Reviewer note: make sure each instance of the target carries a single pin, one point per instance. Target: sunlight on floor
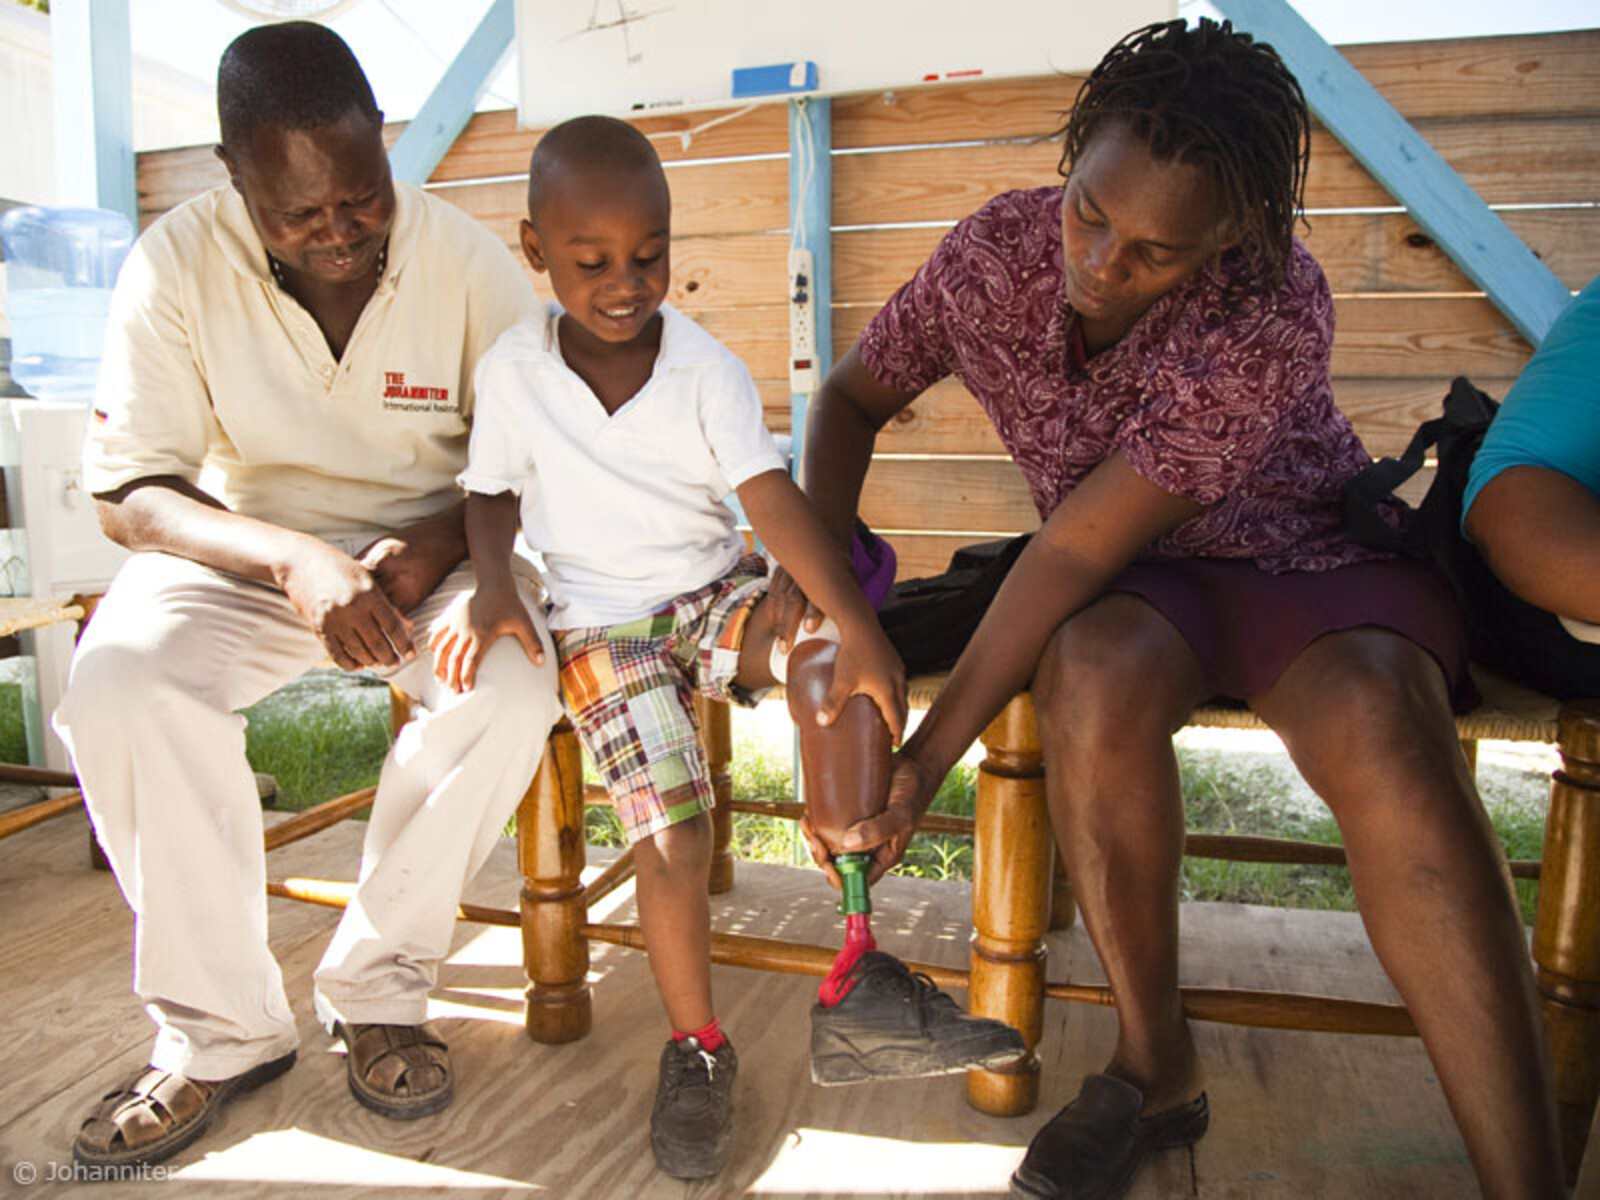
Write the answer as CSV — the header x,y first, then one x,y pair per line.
x,y
825,1160
295,1156
497,950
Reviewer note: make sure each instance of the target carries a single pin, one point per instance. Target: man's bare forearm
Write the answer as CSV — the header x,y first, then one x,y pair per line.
x,y
172,516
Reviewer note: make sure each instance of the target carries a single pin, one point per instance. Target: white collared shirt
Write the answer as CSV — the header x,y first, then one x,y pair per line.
x,y
214,374
626,509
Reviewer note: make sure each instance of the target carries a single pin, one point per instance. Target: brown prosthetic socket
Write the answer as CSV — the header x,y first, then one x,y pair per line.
x,y
846,764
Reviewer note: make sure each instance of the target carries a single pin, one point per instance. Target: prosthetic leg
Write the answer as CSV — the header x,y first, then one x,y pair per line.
x,y
873,1018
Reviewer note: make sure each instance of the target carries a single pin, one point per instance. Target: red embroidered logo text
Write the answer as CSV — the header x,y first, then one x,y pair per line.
x,y
400,396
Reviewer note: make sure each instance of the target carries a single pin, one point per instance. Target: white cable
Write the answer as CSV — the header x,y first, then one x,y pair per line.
x,y
687,135
805,154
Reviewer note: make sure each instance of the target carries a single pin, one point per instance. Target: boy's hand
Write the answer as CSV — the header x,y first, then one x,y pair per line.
x,y
886,835
464,632
867,665
791,609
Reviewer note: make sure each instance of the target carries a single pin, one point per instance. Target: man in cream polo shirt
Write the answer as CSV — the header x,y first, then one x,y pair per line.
x,y
284,405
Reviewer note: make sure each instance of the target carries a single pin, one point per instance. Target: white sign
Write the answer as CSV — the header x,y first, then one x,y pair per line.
x,y
637,57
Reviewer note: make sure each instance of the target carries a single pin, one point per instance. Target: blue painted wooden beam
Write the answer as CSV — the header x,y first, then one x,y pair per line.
x,y
447,110
811,220
1438,199
92,66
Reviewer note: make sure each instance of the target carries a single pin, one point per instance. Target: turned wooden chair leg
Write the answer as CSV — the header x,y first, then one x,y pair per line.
x,y
555,953
1566,931
1010,903
1063,903
716,735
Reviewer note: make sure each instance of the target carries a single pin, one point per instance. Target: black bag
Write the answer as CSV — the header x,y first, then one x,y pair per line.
x,y
930,620
1504,632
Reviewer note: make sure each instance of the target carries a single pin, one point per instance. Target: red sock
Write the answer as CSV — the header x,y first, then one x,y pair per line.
x,y
710,1038
858,940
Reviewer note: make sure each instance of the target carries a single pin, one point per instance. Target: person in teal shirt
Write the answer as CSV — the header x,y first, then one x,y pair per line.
x,y
1532,503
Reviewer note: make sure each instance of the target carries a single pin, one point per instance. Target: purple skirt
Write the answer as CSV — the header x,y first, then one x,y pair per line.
x,y
1247,625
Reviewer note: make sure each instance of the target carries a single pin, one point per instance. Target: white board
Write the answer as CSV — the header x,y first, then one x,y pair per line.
x,y
634,57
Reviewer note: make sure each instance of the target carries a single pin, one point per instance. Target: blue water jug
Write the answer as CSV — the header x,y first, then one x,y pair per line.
x,y
61,264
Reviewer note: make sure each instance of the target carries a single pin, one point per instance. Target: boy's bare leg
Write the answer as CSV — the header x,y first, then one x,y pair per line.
x,y
672,867
692,1117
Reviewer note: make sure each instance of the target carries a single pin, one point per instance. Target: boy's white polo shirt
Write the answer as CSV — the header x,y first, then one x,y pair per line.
x,y
626,509
214,374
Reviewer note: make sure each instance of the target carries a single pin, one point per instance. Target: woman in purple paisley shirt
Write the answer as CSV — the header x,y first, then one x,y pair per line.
x,y
1152,344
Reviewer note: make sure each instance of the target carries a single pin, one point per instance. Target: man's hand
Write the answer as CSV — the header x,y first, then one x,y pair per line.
x,y
790,608
464,632
344,606
886,836
409,563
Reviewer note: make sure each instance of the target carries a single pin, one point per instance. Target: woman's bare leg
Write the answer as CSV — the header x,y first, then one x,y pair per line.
x,y
1366,717
1113,686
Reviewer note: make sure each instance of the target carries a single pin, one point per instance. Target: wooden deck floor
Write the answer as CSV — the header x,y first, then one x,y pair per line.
x,y
1295,1115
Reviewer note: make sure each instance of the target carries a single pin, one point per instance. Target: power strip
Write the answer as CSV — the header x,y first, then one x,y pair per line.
x,y
802,322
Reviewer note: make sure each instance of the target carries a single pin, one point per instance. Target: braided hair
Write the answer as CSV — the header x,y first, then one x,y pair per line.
x,y
1214,98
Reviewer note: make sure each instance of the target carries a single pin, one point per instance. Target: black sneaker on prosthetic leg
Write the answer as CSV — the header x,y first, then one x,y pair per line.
x,y
693,1114
892,1024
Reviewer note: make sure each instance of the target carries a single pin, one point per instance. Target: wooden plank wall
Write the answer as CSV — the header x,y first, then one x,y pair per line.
x,y
1518,117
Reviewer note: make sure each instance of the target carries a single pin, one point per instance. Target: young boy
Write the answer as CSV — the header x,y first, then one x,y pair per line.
x,y
622,426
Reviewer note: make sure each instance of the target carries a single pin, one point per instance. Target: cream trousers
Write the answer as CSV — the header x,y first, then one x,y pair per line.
x,y
151,715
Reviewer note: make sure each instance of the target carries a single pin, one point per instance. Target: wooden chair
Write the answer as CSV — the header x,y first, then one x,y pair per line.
x,y
18,613
31,612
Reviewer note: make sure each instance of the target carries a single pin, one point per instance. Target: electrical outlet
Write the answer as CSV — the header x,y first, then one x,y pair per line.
x,y
802,322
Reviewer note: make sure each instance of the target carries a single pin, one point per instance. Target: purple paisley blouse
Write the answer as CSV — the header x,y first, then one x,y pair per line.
x,y
1220,393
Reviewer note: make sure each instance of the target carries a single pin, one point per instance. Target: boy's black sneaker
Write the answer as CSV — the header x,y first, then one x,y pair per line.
x,y
896,1025
693,1115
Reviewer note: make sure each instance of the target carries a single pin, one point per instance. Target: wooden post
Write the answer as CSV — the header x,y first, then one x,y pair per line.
x,y
555,953
1566,930
401,709
716,735
1010,903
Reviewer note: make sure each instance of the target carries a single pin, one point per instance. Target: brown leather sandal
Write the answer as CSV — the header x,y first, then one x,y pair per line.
x,y
157,1113
401,1071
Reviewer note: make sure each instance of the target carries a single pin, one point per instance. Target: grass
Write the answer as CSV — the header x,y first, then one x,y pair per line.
x,y
326,735
13,741
322,736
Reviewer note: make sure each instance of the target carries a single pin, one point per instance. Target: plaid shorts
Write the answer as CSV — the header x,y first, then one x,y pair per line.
x,y
630,689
